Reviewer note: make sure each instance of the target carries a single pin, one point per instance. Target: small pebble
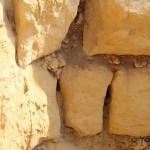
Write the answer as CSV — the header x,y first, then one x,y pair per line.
x,y
65,41
58,73
138,64
80,19
74,45
114,61
74,38
62,62
64,46
53,55
54,64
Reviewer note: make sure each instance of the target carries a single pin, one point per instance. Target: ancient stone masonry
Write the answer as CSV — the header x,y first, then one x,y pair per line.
x,y
28,107
54,94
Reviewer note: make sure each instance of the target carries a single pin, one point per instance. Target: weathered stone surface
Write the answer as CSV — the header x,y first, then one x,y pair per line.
x,y
117,27
33,116
29,112
8,68
130,103
84,92
41,26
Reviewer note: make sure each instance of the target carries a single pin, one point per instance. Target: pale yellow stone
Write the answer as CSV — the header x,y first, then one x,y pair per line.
x,y
130,103
117,27
41,26
29,111
84,91
8,69
33,116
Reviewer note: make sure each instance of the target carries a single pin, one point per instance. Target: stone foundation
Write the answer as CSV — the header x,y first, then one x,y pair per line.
x,y
56,92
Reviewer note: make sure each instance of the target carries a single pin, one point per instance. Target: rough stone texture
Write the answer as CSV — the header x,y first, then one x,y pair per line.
x,y
35,113
8,5
84,91
117,27
130,103
8,68
41,26
29,112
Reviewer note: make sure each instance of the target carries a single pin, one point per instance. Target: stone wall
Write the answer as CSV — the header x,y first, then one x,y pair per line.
x,y
62,86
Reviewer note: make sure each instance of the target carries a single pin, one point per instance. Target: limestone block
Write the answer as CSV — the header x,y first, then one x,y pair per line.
x,y
41,26
28,107
130,103
29,118
117,27
84,91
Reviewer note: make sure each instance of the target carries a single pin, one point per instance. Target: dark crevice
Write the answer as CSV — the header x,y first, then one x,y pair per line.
x,y
106,108
58,87
108,94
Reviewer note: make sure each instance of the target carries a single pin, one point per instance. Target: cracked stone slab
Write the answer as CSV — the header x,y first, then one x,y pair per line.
x,y
130,103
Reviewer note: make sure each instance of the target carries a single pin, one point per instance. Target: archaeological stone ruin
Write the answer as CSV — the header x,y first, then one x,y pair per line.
x,y
74,74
